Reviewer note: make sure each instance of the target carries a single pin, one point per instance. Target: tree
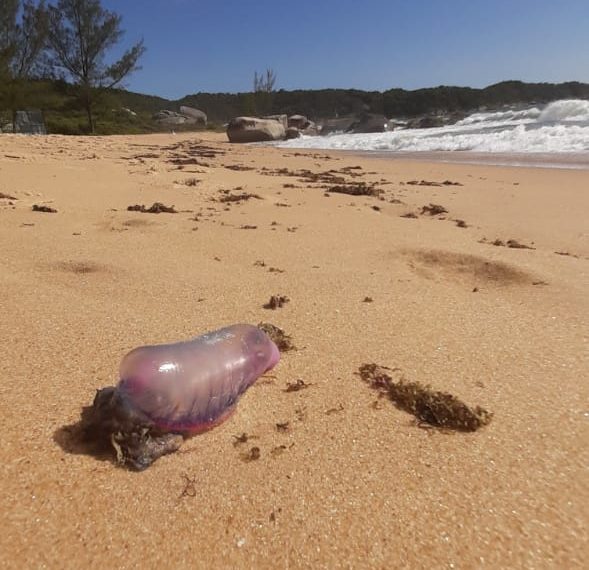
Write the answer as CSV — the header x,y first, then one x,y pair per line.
x,y
22,41
264,82
81,32
8,12
263,88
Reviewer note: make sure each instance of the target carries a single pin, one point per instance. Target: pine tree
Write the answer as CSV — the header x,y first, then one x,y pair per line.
x,y
81,33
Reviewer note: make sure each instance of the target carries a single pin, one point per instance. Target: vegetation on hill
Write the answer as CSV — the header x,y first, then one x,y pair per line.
x,y
118,111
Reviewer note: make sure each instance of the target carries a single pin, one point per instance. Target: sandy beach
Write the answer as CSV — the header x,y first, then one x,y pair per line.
x,y
346,480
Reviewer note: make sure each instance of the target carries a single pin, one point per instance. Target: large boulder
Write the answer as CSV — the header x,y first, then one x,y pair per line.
x,y
186,116
303,125
292,133
169,118
369,123
196,114
254,129
339,125
298,121
283,119
30,122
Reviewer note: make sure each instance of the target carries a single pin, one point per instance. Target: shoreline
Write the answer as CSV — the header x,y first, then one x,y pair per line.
x,y
557,161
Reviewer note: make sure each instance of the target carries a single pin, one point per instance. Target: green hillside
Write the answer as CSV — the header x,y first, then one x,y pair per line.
x,y
119,111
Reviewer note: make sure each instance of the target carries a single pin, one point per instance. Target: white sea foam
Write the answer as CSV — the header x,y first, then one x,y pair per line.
x,y
559,127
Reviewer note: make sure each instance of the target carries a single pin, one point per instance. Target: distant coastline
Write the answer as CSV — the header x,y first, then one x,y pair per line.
x,y
125,112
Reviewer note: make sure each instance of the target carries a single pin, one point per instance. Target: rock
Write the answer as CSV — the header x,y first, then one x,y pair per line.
x,y
166,117
187,116
303,125
340,125
311,129
369,123
196,114
427,122
30,122
254,129
435,120
299,121
283,119
292,133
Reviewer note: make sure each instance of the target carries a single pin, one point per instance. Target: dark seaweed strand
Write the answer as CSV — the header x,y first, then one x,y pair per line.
x,y
438,409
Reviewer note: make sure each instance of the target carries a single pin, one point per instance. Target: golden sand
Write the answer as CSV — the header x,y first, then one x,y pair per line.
x,y
342,479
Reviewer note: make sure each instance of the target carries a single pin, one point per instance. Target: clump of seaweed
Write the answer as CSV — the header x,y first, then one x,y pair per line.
x,y
155,208
433,210
282,340
276,302
227,196
356,189
300,384
47,209
438,409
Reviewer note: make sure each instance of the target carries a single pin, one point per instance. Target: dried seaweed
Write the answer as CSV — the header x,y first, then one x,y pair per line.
x,y
282,340
355,189
438,409
155,208
47,209
433,210
276,302
242,196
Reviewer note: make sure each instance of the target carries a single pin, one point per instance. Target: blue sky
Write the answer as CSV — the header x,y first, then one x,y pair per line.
x,y
216,45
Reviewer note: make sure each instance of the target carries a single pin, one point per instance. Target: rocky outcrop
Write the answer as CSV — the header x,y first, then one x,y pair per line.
x,y
196,114
187,116
435,120
300,122
282,119
369,123
339,125
303,125
254,129
292,133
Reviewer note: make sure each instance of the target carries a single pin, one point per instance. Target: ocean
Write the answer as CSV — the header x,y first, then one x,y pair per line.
x,y
554,135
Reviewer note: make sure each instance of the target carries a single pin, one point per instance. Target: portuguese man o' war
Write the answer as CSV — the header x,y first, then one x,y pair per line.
x,y
169,391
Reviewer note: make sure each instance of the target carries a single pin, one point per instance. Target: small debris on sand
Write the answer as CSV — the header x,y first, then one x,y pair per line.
x,y
155,208
437,409
276,302
300,384
355,189
239,439
282,340
517,245
433,210
38,208
239,197
512,243
252,455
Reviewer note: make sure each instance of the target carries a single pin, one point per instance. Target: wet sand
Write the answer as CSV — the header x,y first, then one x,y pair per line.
x,y
344,479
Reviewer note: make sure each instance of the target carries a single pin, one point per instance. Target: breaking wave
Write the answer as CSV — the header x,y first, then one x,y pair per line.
x,y
559,127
